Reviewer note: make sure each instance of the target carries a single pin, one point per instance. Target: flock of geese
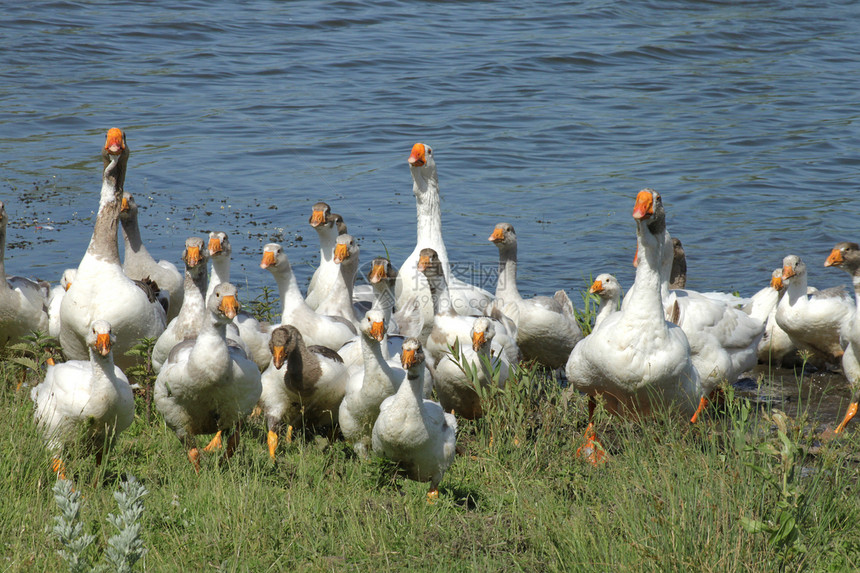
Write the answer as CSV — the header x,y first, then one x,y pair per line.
x,y
367,360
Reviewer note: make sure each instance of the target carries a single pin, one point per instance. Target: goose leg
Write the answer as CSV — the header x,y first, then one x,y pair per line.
x,y
194,458
852,410
272,438
215,444
58,467
592,450
702,403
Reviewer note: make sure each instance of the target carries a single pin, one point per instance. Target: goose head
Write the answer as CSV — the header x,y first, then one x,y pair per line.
x,y
776,280
337,220
846,256
792,267
100,338
678,275
483,332
504,237
373,325
223,304
649,214
606,287
320,214
422,166
346,250
275,260
219,245
429,263
68,278
194,255
411,354
115,154
128,208
381,272
282,343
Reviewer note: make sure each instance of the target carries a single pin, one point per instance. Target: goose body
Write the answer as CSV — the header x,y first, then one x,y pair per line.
x,y
208,384
55,301
547,329
23,302
85,397
775,346
414,431
338,300
636,356
101,289
140,265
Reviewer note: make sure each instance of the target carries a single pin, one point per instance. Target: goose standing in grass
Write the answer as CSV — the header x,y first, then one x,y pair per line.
x,y
637,358
328,226
410,286
101,289
84,397
331,332
23,302
846,256
315,375
139,264
454,387
413,431
547,329
367,388
208,384
608,289
775,346
55,301
338,301
816,322
193,314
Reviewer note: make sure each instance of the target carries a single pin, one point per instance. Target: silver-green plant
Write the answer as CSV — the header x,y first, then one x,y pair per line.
x,y
68,528
126,547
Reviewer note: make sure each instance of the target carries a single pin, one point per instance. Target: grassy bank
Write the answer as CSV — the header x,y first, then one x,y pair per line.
x,y
743,491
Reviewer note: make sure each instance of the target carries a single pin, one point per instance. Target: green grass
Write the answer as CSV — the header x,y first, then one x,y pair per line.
x,y
671,497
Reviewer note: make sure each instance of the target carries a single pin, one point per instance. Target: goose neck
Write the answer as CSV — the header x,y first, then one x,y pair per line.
x,y
441,297
103,243
644,297
288,288
506,282
134,248
328,240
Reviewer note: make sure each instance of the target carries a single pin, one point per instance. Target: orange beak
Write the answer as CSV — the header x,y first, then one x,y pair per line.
x,y
644,207
787,272
835,258
377,273
597,286
192,256
214,245
229,306
279,356
478,340
68,285
407,358
341,252
124,205
423,263
377,330
498,235
776,283
317,218
418,157
113,143
268,260
103,344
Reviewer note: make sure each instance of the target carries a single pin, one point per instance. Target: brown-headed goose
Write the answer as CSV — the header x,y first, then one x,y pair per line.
x,y
23,302
139,264
101,289
208,383
546,326
413,431
89,398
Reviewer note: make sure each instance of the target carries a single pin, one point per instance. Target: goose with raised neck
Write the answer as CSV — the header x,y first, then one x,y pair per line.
x,y
328,226
546,326
338,301
138,264
220,252
23,302
208,383
101,289
332,332
90,398
414,431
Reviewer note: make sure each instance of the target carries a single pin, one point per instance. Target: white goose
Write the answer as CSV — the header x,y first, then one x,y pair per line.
x,y
331,332
139,264
193,314
208,384
338,300
454,387
609,290
546,327
637,358
101,289
366,389
410,285
775,346
55,301
84,397
220,252
23,302
328,226
816,322
846,256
